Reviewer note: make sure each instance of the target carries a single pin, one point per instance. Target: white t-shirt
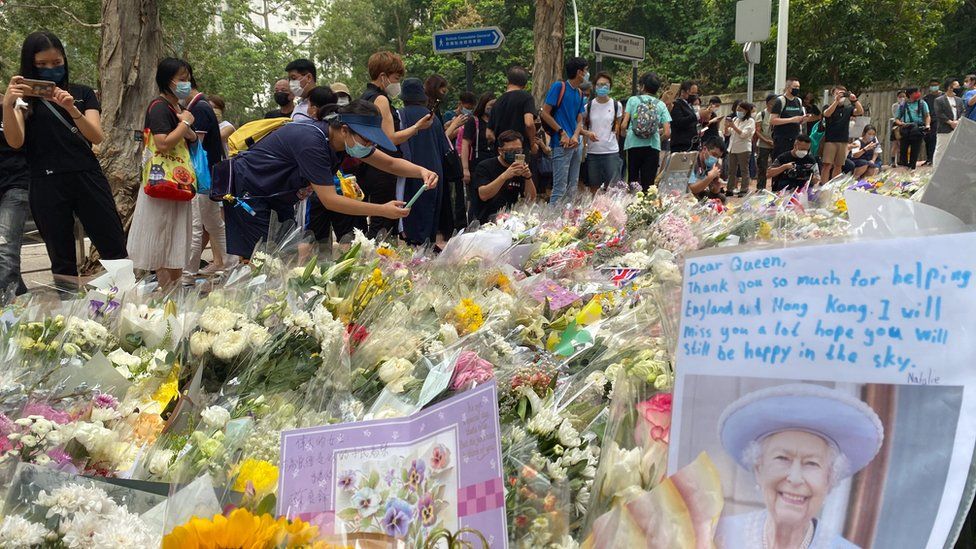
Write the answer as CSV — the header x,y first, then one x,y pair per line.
x,y
952,105
743,143
601,123
301,110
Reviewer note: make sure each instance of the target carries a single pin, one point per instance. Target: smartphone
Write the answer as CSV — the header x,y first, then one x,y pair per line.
x,y
520,157
39,88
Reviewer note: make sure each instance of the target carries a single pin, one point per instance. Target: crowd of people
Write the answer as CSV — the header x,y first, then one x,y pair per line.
x,y
334,162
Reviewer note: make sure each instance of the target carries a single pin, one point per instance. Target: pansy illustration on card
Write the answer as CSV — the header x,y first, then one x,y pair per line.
x,y
404,477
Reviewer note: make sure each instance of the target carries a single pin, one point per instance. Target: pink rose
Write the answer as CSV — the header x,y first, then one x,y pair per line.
x,y
655,419
471,368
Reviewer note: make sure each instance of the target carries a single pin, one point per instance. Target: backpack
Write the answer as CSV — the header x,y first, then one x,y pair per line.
x,y
616,112
646,121
247,135
559,102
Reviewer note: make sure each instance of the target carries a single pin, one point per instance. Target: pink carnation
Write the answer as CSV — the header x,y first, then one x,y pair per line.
x,y
655,419
47,412
471,368
105,400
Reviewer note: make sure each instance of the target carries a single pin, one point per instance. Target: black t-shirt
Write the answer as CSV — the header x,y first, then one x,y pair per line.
x,y
13,164
161,118
479,143
796,177
814,110
205,120
276,114
712,129
51,147
509,113
930,101
837,127
787,108
487,171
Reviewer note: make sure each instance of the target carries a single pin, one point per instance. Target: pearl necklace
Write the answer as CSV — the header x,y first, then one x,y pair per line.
x,y
767,533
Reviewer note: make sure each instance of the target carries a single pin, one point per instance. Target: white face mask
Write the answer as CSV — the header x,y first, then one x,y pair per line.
x,y
295,86
800,154
393,90
342,101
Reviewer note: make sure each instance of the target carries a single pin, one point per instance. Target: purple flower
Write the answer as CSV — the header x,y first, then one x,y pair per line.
x,y
415,476
347,481
6,426
105,400
397,520
390,476
47,412
426,511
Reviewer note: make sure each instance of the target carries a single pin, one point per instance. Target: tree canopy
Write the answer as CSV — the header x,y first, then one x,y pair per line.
x,y
885,42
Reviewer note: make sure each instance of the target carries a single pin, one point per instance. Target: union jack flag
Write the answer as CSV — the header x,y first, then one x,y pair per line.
x,y
622,277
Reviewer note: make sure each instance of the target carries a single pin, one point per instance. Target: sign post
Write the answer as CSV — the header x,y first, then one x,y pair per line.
x,y
619,45
752,20
467,41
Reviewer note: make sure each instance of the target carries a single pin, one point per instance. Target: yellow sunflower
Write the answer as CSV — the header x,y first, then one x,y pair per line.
x,y
243,530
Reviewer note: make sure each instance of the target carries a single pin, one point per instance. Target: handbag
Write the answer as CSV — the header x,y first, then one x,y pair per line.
x,y
170,175
201,167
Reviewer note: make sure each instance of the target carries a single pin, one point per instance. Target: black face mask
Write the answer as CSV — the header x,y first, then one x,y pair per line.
x,y
957,91
796,92
691,99
281,98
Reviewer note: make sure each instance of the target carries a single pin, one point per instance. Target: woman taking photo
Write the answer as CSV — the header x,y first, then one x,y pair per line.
x,y
57,134
301,158
162,230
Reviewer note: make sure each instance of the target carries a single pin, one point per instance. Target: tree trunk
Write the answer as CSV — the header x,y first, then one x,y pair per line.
x,y
131,48
548,31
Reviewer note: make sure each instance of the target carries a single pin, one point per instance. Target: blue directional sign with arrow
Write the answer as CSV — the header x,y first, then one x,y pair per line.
x,y
464,40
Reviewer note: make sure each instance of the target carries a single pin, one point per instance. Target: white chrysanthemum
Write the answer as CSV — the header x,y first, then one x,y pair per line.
x,y
544,422
160,461
74,498
229,344
598,379
256,335
569,436
301,320
217,320
367,245
104,415
516,435
393,369
634,260
93,437
19,533
201,342
215,417
91,332
448,334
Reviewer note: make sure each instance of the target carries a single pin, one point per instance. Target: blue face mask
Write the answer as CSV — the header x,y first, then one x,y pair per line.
x,y
466,112
740,115
182,90
509,157
710,162
603,91
52,74
356,150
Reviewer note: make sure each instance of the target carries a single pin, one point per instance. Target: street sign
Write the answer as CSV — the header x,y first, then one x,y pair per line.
x,y
752,20
464,40
617,44
752,52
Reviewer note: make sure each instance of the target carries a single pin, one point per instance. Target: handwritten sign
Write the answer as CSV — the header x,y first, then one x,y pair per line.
x,y
883,322
403,477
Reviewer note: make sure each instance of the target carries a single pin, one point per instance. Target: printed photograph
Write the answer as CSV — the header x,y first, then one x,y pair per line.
x,y
821,464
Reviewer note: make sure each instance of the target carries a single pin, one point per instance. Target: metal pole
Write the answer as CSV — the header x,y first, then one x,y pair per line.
x,y
752,72
599,64
782,37
576,20
469,71
633,87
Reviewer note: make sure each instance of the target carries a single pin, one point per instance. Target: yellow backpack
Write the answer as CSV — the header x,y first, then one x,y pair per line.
x,y
247,135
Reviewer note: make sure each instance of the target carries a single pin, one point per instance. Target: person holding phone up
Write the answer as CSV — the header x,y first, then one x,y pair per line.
x,y
499,182
57,134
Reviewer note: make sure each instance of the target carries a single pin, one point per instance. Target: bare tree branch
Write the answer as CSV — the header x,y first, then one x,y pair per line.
x,y
62,9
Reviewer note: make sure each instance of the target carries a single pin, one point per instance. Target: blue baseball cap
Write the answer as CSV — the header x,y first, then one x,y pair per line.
x,y
370,127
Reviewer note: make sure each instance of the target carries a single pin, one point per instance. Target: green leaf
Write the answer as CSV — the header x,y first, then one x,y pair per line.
x,y
267,505
348,514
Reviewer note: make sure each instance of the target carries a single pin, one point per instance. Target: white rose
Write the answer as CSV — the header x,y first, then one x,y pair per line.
x,y
228,345
160,462
400,384
93,437
121,358
393,369
215,417
200,343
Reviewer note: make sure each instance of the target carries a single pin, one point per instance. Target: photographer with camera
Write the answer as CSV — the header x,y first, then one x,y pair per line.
x,y
499,182
913,121
796,168
837,130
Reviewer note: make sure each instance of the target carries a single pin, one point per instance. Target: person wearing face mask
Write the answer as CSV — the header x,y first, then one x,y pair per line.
x,y
343,97
501,181
684,118
949,109
787,118
466,103
900,99
57,137
602,121
708,167
913,123
161,234
515,109
932,94
563,114
475,144
386,70
646,124
837,130
14,185
796,168
301,81
969,96
453,211
740,131
283,98
764,141
208,222
300,160
866,153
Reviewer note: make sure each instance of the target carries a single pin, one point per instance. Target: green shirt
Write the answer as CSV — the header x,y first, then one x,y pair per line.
x,y
663,116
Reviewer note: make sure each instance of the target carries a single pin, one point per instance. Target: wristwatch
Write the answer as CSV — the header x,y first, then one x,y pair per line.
x,y
188,125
